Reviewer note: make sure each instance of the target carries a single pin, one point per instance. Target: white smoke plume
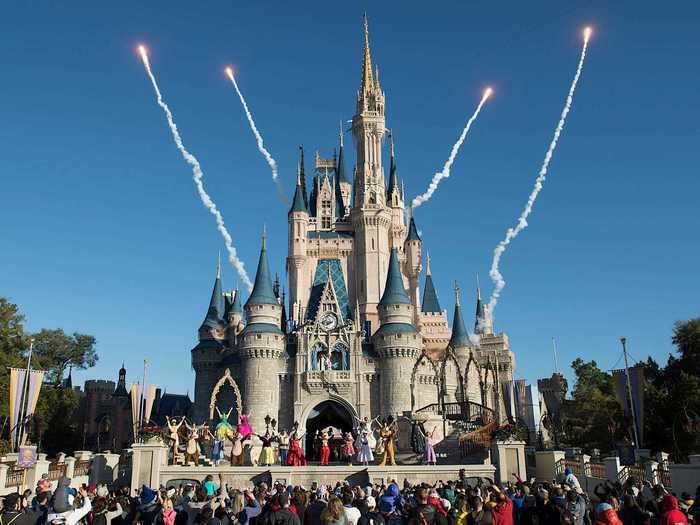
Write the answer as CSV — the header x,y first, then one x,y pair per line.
x,y
261,146
512,233
197,176
425,197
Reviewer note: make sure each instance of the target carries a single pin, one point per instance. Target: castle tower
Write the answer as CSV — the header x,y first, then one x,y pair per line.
x,y
394,200
234,317
397,342
432,319
413,265
371,219
483,324
205,356
261,347
297,260
344,185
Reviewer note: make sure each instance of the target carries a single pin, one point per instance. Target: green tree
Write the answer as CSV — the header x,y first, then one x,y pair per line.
x,y
673,395
55,351
12,343
591,413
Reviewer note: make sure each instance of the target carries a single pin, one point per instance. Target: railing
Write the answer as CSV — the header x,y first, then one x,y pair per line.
x,y
15,477
82,468
462,411
664,477
636,471
56,471
561,466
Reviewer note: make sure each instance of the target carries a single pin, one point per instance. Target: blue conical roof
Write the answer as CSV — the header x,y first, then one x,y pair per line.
x,y
394,292
430,298
480,314
236,306
393,177
412,231
299,203
262,289
215,312
342,177
460,337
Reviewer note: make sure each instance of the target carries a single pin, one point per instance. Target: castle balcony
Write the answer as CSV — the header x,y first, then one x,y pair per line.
x,y
317,381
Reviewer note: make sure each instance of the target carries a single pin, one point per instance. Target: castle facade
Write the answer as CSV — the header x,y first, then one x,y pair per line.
x,y
355,337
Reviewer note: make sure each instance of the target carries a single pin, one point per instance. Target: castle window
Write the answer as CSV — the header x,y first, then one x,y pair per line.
x,y
325,222
326,206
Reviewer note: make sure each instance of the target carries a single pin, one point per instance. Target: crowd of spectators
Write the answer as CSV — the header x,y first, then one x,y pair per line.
x,y
472,501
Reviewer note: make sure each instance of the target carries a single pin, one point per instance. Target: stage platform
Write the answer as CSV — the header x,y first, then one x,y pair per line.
x,y
241,477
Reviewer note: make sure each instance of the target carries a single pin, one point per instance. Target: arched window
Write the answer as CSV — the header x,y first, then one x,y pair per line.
x,y
340,357
320,360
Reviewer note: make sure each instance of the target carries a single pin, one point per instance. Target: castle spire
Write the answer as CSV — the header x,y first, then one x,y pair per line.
x,y
481,321
394,292
460,337
262,289
215,312
302,176
413,231
393,177
367,78
430,298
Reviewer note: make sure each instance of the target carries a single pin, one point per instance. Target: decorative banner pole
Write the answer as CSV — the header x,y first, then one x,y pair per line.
x,y
25,393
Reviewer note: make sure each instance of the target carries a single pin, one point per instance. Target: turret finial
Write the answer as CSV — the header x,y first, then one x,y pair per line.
x,y
218,266
340,127
367,79
264,237
427,264
478,288
457,292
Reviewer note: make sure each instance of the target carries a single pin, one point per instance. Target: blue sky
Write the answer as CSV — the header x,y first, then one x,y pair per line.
x,y
103,233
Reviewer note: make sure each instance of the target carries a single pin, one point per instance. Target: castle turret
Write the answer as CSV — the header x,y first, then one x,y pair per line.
x,y
482,324
297,261
344,184
397,342
459,342
430,298
206,355
394,199
261,347
213,325
412,249
370,216
235,317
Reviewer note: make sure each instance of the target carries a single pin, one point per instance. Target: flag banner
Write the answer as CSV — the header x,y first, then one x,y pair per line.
x,y
36,378
520,401
135,404
636,374
148,399
27,456
509,399
17,377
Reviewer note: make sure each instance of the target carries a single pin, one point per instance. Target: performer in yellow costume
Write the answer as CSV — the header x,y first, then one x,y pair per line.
x,y
388,437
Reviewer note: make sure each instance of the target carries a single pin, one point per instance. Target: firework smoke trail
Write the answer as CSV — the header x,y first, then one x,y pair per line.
x,y
425,197
512,233
197,175
261,146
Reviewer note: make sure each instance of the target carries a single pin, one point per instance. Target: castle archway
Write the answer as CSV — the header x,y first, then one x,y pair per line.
x,y
235,403
328,413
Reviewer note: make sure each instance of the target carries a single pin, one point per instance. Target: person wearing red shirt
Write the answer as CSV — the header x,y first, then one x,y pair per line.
x,y
503,511
672,515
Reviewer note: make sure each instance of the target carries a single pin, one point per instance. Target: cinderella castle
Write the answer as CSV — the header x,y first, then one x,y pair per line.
x,y
357,336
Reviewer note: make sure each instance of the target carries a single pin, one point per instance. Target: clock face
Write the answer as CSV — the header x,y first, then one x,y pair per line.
x,y
329,321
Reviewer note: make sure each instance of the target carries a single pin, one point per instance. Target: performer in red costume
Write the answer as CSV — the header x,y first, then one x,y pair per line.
x,y
325,449
295,456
